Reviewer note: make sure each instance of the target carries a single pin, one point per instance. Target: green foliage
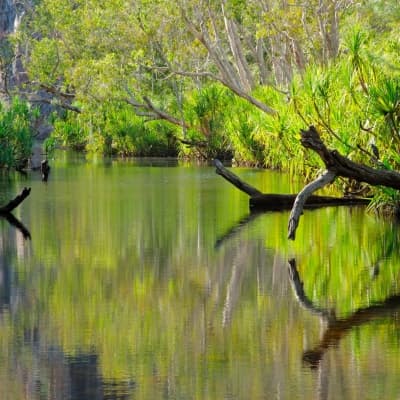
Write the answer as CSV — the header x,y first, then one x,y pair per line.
x,y
15,134
337,70
207,110
69,132
113,129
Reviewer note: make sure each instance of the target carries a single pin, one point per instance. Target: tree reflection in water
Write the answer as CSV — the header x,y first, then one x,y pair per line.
x,y
335,328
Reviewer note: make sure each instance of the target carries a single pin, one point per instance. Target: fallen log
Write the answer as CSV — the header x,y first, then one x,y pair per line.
x,y
235,180
277,202
336,165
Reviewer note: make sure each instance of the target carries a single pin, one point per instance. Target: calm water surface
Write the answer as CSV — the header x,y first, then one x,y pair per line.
x,y
150,280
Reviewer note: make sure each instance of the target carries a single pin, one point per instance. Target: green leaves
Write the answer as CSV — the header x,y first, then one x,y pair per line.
x,y
15,134
385,96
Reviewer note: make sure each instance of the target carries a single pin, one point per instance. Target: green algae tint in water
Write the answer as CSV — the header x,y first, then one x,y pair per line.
x,y
149,280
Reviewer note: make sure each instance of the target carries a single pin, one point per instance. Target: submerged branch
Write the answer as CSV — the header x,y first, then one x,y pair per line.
x,y
298,288
11,205
5,212
280,202
235,229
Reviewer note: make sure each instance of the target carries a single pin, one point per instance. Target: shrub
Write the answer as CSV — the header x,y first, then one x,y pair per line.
x,y
15,133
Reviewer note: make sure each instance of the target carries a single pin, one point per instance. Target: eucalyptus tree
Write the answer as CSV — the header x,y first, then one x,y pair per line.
x,y
137,47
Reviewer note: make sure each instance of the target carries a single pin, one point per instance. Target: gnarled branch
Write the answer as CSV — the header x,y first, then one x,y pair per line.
x,y
336,165
346,168
326,178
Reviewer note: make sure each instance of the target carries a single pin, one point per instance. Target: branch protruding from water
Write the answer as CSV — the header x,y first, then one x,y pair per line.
x,y
325,179
14,203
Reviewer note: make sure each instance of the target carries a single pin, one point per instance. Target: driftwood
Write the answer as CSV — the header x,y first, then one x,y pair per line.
x,y
336,165
276,202
337,328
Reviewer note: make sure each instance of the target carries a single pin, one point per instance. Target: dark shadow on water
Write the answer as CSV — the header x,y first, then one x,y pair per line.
x,y
87,383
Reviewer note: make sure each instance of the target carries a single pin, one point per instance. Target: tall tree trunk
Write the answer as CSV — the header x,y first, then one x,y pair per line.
x,y
246,78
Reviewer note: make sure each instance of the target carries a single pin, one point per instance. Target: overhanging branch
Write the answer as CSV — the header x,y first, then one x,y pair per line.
x,y
346,168
326,178
336,165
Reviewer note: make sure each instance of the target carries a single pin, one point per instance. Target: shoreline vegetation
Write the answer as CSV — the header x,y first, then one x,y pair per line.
x,y
237,80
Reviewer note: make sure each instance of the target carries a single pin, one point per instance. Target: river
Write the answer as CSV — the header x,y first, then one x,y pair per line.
x,y
149,279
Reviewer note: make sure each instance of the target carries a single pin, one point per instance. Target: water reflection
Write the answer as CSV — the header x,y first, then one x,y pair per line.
x,y
17,224
148,288
336,328
235,229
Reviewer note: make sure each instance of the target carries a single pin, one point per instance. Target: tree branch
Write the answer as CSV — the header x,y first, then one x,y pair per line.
x,y
236,181
15,202
346,168
326,178
337,165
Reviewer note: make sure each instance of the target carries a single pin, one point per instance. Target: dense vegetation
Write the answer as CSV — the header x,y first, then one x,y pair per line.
x,y
15,134
230,79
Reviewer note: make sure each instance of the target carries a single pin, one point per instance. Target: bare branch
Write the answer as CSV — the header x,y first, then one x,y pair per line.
x,y
165,116
326,178
56,91
235,180
154,112
15,202
59,103
346,168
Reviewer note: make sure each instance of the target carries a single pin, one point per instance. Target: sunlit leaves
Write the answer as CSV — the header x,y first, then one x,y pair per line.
x,y
16,134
